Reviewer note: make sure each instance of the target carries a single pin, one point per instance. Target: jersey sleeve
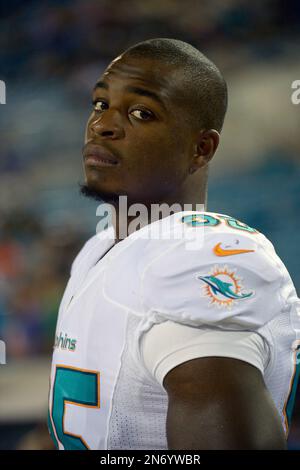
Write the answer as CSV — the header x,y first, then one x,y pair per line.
x,y
230,281
169,344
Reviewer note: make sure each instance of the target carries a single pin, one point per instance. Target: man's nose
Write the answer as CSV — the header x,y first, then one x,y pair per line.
x,y
108,125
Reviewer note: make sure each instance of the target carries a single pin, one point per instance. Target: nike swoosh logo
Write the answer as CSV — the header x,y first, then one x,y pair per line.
x,y
221,252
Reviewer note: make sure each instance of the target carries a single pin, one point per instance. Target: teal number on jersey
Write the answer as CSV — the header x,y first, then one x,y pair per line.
x,y
78,387
234,223
199,220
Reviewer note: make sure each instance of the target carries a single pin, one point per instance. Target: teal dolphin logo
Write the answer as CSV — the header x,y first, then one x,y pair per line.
x,y
223,287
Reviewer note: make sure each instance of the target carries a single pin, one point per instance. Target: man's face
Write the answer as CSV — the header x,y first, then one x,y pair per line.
x,y
138,122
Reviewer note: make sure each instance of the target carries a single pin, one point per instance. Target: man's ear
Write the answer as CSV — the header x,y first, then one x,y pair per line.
x,y
205,148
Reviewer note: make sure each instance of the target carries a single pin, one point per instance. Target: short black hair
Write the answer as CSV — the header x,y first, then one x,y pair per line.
x,y
206,86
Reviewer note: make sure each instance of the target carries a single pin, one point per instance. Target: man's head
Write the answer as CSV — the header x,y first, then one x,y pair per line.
x,y
158,109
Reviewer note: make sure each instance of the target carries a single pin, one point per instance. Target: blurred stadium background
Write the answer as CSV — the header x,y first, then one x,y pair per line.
x,y
51,54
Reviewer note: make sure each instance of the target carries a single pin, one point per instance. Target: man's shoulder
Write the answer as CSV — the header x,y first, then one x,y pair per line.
x,y
190,240
178,232
221,268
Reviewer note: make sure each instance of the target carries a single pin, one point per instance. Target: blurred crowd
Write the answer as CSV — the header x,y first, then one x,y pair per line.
x,y
34,267
61,36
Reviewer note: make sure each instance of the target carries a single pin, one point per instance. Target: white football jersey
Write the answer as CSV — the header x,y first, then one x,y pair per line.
x,y
210,282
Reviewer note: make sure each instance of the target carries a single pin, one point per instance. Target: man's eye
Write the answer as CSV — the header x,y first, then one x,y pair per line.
x,y
100,105
142,115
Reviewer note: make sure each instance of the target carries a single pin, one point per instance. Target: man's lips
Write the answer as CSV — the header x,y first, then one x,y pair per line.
x,y
96,155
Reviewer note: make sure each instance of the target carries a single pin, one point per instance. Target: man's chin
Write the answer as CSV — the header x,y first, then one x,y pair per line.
x,y
96,195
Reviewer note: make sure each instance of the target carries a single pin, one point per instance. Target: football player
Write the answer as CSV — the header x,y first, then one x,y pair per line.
x,y
189,339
